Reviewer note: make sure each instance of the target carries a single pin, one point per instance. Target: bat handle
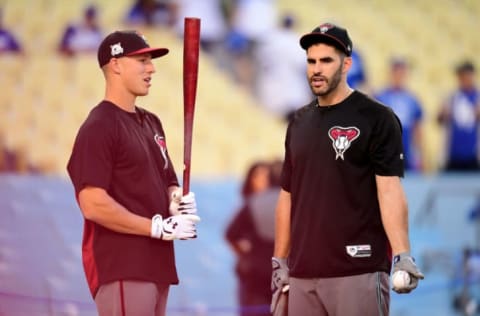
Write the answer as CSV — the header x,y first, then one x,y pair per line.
x,y
186,181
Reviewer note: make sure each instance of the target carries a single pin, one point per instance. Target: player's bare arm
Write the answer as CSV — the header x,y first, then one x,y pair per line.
x,y
394,212
98,206
280,274
282,225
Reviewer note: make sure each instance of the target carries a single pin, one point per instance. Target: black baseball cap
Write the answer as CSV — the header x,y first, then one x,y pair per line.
x,y
125,43
330,34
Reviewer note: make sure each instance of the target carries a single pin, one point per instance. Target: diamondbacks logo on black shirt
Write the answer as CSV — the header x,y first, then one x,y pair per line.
x,y
160,140
342,138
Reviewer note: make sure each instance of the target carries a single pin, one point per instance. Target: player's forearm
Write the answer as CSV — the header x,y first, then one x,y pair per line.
x,y
282,225
101,208
394,212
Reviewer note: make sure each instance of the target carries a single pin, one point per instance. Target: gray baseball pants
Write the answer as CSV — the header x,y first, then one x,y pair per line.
x,y
132,298
357,295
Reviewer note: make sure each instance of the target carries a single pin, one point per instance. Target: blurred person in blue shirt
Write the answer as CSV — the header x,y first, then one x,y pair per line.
x,y
356,77
408,109
152,13
8,42
250,22
82,37
460,114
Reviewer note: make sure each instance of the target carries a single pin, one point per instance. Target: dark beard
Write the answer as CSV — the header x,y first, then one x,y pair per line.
x,y
333,83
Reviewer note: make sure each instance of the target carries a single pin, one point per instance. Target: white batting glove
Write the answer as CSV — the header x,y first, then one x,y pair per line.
x,y
180,226
182,204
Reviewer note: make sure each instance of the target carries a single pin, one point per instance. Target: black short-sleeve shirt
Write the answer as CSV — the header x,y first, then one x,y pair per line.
x,y
125,154
332,155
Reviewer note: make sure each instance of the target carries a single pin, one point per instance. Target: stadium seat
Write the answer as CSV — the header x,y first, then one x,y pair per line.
x,y
431,34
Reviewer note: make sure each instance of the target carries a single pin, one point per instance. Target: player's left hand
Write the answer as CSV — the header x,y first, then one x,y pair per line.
x,y
182,204
406,262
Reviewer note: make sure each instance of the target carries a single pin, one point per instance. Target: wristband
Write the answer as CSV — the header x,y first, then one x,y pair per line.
x,y
400,256
279,263
157,224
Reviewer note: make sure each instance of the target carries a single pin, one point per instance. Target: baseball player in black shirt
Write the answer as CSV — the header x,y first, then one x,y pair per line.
x,y
342,213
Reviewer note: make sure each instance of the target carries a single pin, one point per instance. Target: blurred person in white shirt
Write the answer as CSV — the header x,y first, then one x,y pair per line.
x,y
280,82
213,28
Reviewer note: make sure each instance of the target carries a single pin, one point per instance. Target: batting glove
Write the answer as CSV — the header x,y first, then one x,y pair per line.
x,y
406,263
280,285
182,204
174,227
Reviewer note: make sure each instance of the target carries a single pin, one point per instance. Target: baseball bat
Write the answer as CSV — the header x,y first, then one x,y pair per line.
x,y
191,47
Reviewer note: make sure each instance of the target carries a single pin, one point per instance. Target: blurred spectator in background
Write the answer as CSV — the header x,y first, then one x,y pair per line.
x,y
152,13
408,109
213,26
460,114
357,78
7,157
467,301
280,85
8,42
82,37
16,161
251,236
250,21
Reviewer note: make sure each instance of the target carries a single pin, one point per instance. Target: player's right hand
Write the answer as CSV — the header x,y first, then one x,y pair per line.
x,y
182,226
182,204
280,284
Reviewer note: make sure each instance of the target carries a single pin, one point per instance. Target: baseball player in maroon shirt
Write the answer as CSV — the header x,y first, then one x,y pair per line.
x,y
127,188
342,213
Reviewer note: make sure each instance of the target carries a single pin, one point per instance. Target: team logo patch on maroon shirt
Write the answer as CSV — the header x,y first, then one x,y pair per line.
x,y
162,144
342,138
